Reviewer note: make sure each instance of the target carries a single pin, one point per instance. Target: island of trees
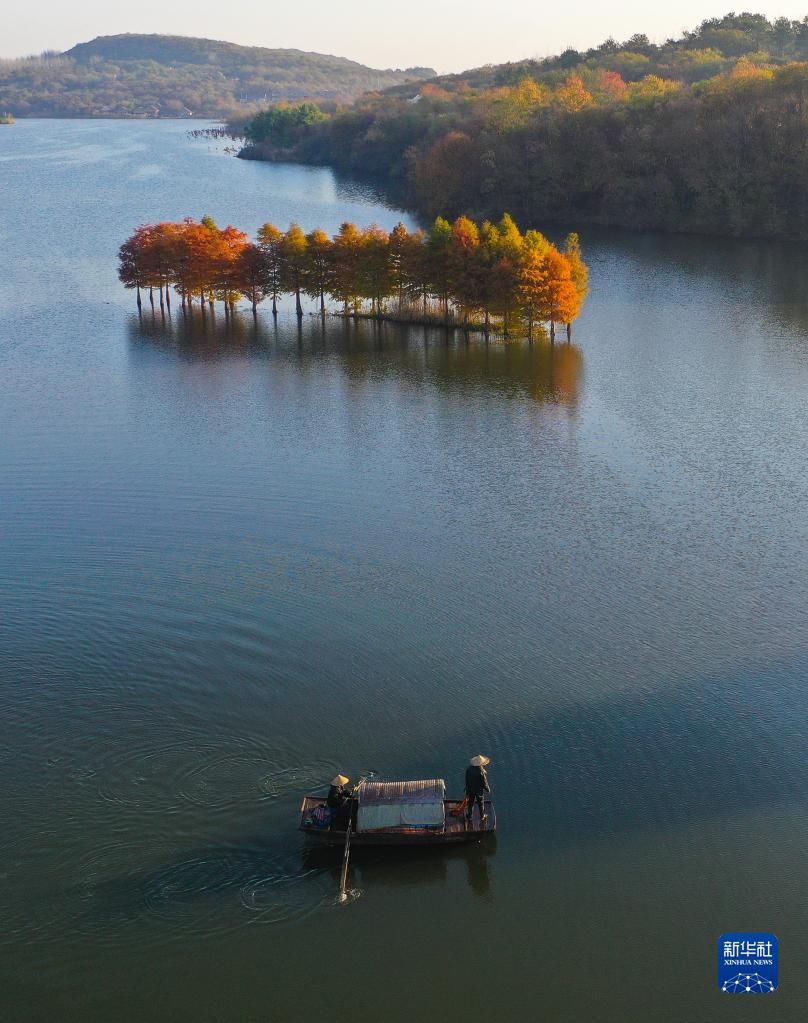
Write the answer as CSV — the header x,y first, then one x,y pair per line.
x,y
705,133
173,76
6,117
489,277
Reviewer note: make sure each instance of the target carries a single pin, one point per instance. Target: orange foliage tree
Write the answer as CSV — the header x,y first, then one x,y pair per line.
x,y
451,274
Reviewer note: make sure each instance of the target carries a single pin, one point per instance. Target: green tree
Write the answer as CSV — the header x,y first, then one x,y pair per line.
x,y
269,239
293,254
465,266
316,276
398,244
438,253
375,277
346,267
508,253
281,124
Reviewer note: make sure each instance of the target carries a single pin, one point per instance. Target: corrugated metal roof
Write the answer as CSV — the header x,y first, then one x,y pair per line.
x,y
372,793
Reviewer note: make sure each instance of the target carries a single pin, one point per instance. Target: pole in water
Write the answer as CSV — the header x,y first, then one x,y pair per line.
x,y
343,882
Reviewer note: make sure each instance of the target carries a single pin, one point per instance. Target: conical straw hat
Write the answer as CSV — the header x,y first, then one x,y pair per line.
x,y
479,761
340,780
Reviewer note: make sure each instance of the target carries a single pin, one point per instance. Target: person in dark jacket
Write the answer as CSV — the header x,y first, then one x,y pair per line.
x,y
338,792
338,799
476,786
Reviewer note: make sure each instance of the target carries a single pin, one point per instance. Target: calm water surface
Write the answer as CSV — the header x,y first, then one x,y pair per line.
x,y
236,559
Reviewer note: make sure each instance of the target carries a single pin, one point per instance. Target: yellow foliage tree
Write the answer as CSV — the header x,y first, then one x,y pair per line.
x,y
573,94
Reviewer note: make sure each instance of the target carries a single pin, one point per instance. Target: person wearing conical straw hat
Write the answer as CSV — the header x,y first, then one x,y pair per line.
x,y
337,794
476,787
338,797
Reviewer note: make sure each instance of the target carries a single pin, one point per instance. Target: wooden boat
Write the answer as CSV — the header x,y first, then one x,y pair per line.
x,y
399,813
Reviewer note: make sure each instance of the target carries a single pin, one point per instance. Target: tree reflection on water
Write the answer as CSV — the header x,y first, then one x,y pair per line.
x,y
365,349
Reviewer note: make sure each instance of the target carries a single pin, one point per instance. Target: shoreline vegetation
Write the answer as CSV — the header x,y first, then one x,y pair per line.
x,y
703,134
143,76
489,278
6,117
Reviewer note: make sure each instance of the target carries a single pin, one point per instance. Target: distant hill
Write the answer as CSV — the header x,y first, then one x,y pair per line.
x,y
176,76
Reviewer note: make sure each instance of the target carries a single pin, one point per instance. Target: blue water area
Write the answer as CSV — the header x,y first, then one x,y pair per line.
x,y
239,556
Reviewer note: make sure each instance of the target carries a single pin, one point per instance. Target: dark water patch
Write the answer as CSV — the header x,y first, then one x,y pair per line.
x,y
205,891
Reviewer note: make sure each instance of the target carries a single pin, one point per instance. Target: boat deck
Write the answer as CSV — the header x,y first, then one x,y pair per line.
x,y
455,828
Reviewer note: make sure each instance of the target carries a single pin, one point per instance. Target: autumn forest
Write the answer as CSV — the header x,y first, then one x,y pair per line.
x,y
490,277
706,134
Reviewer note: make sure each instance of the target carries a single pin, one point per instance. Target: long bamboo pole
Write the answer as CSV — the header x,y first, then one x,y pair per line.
x,y
343,881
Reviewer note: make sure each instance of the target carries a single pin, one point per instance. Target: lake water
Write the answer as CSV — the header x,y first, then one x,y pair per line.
x,y
235,560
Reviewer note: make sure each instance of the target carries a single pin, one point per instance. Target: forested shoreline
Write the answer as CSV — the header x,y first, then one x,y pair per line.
x,y
706,134
490,277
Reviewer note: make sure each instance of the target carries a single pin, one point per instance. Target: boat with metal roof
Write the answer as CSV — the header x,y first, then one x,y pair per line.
x,y
397,813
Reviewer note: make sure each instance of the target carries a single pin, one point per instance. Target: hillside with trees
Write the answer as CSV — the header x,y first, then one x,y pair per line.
x,y
707,133
175,76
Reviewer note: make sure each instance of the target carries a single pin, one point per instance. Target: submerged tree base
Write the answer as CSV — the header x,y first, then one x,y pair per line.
x,y
489,279
493,331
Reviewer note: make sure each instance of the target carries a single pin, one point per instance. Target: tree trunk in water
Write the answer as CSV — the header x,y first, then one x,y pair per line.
x,y
298,306
161,296
322,304
139,304
151,297
274,305
569,332
552,330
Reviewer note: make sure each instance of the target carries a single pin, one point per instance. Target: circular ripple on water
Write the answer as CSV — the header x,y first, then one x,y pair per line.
x,y
208,893
283,898
108,891
196,895
122,883
228,778
148,777
217,774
